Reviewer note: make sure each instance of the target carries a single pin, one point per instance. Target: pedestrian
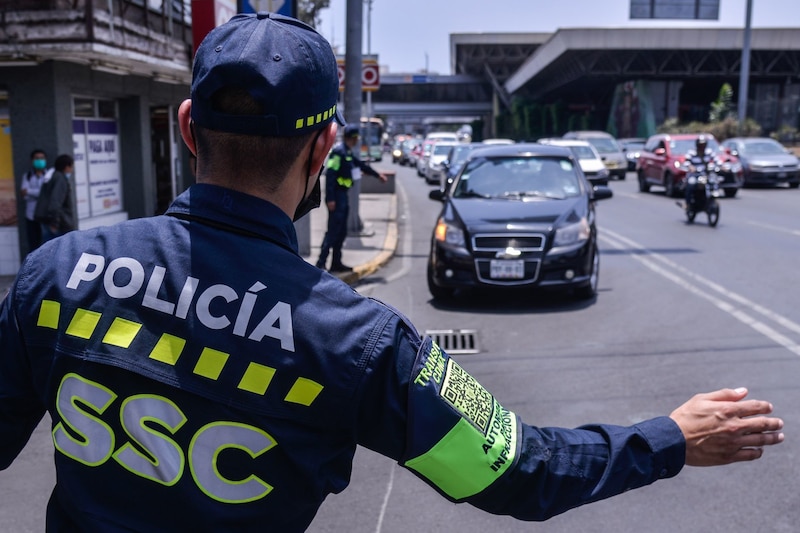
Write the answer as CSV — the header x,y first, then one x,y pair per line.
x,y
54,209
201,376
30,186
344,168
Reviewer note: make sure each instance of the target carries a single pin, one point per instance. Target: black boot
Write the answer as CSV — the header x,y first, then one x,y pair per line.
x,y
340,267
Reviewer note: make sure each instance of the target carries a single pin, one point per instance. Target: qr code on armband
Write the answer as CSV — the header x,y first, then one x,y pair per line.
x,y
465,394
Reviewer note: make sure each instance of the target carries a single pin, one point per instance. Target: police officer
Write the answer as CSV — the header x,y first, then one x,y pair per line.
x,y
343,165
200,375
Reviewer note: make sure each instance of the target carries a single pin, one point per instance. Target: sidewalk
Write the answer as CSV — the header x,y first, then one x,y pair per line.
x,y
365,254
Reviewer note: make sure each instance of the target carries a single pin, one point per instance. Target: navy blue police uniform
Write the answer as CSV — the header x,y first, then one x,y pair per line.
x,y
200,375
338,181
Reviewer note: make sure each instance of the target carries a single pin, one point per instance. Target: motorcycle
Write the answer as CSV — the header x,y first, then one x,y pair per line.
x,y
705,181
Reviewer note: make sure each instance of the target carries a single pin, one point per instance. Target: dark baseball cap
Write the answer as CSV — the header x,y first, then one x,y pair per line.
x,y
284,64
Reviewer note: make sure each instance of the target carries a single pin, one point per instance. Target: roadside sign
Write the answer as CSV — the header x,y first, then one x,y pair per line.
x,y
284,7
370,73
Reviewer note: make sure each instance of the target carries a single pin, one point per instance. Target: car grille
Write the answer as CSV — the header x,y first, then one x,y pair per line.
x,y
492,246
524,242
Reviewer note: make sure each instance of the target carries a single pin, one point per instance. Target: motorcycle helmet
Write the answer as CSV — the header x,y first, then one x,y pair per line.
x,y
701,143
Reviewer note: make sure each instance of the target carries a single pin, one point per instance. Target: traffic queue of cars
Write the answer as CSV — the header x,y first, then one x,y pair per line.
x,y
522,215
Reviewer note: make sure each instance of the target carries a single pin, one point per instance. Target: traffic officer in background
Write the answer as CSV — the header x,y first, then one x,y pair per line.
x,y
343,166
200,375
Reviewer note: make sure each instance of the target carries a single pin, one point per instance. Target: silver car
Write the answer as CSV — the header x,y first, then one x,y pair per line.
x,y
608,148
765,161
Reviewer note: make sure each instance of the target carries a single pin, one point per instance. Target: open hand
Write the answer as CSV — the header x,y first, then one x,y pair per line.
x,y
720,429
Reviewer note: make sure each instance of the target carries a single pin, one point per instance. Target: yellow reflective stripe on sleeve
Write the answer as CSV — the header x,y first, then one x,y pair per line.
x,y
256,378
168,349
304,391
211,363
83,323
121,333
48,314
466,462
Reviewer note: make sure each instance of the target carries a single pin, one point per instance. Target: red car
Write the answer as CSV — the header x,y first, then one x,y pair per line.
x,y
661,163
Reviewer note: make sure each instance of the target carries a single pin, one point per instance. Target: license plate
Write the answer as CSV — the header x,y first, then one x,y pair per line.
x,y
781,175
503,269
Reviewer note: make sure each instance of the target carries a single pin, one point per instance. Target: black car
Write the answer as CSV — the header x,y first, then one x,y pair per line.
x,y
518,216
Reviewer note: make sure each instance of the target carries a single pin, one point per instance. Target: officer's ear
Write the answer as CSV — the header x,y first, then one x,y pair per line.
x,y
323,145
185,125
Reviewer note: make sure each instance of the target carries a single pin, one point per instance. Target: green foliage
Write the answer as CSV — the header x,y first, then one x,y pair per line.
x,y
722,107
721,130
308,11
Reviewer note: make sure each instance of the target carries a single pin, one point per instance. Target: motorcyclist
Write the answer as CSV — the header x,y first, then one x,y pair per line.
x,y
701,156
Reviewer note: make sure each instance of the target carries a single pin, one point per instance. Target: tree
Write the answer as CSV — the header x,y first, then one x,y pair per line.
x,y
308,11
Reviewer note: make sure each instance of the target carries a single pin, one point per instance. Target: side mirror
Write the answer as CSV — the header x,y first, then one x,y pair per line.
x,y
602,192
437,195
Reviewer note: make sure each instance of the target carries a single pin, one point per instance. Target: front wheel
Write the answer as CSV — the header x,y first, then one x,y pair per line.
x,y
730,193
669,185
590,290
713,213
643,185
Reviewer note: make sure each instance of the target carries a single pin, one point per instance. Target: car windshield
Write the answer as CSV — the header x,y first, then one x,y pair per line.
x,y
459,154
583,152
519,178
603,145
441,149
684,146
762,148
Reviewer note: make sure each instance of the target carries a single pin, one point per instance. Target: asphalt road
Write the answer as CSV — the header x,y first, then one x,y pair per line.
x,y
681,309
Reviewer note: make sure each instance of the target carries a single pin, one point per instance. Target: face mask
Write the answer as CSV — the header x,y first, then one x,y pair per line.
x,y
39,164
313,200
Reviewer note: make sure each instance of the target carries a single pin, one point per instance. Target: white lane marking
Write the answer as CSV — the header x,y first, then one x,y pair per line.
x,y
780,229
385,503
695,284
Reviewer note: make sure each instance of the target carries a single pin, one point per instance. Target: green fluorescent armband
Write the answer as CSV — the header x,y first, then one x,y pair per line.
x,y
478,443
335,162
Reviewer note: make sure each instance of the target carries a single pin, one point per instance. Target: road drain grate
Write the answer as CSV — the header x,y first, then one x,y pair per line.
x,y
454,341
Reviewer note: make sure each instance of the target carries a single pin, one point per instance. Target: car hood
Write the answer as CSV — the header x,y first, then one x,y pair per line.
x,y
591,165
501,215
784,160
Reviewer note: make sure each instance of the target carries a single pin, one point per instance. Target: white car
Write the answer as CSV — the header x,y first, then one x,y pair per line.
x,y
591,163
439,153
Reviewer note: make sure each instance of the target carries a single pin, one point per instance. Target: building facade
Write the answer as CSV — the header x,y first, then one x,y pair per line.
x,y
99,80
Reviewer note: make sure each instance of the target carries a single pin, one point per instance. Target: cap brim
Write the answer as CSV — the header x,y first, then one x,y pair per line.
x,y
338,117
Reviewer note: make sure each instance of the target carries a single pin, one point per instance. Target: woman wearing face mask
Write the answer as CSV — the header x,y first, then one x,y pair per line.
x,y
30,186
54,210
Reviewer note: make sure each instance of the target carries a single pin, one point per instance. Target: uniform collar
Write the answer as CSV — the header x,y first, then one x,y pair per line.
x,y
226,207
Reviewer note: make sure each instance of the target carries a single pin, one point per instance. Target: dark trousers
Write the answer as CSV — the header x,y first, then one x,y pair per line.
x,y
34,231
335,235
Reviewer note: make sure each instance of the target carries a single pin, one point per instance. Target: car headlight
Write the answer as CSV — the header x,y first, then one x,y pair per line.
x,y
572,234
449,234
603,173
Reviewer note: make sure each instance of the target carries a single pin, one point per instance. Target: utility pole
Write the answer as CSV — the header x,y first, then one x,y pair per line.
x,y
352,97
744,71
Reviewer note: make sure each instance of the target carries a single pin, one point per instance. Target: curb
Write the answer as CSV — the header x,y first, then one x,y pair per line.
x,y
386,253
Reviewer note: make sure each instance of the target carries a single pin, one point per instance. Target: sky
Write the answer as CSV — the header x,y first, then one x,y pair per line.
x,y
413,36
